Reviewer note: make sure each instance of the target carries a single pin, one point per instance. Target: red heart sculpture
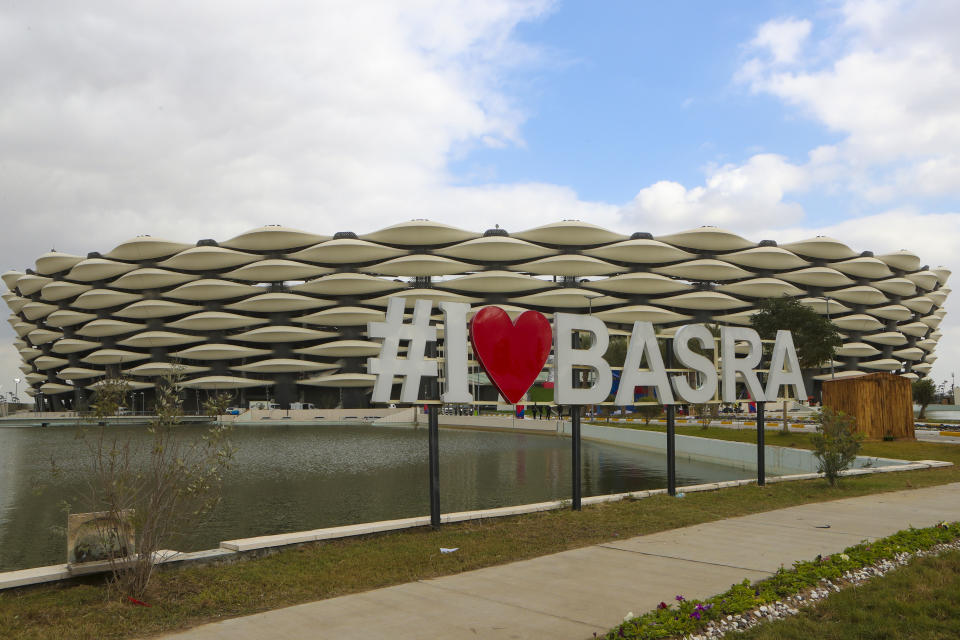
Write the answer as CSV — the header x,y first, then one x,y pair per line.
x,y
512,353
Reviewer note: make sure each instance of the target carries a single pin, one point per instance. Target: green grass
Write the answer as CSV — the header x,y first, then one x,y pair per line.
x,y
919,601
192,595
901,449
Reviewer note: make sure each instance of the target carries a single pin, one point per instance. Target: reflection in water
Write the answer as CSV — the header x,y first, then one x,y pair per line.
x,y
292,478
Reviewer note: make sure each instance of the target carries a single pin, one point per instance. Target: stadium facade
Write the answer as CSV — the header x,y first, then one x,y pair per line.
x,y
281,314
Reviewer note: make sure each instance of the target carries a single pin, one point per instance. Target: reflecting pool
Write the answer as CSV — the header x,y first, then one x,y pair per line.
x,y
291,478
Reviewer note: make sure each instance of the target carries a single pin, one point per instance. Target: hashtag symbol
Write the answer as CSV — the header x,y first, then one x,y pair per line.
x,y
389,364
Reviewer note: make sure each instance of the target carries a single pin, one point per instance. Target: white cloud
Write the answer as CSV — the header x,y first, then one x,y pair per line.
x,y
783,39
208,119
731,196
886,77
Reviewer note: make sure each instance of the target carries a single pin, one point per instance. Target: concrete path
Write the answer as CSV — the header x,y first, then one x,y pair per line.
x,y
930,435
576,593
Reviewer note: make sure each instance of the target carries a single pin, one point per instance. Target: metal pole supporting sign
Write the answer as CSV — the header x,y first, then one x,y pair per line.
x,y
434,447
671,411
575,464
761,447
433,437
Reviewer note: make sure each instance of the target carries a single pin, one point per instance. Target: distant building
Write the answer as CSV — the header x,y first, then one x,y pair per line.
x,y
280,314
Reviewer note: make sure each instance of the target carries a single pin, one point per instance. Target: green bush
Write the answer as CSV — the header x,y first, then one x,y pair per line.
x,y
648,411
835,444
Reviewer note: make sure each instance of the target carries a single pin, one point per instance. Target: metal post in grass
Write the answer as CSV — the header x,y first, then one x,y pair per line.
x,y
575,463
433,430
761,447
433,440
671,412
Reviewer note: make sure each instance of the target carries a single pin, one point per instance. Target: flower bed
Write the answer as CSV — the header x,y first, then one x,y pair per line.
x,y
745,604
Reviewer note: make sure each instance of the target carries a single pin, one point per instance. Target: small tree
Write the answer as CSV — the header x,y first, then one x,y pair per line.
x,y
835,444
705,414
814,337
616,352
162,489
923,394
648,411
216,405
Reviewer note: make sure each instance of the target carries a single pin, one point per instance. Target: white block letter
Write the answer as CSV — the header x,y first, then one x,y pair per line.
x,y
783,351
643,342
455,352
702,364
414,366
745,365
566,357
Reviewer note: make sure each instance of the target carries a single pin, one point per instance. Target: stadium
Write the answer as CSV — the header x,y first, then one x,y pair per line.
x,y
280,315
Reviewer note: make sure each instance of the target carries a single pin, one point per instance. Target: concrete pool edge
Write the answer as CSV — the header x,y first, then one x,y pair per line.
x,y
739,455
235,548
742,455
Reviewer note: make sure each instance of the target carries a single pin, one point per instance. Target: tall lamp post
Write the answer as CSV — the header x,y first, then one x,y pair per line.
x,y
16,390
827,298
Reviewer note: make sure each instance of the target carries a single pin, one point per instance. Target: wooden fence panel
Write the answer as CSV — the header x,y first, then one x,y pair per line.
x,y
881,404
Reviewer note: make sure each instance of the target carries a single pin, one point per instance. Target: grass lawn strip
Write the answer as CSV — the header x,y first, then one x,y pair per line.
x,y
898,449
746,605
918,602
189,596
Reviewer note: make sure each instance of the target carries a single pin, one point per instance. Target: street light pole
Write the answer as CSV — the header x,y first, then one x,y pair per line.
x,y
16,390
827,298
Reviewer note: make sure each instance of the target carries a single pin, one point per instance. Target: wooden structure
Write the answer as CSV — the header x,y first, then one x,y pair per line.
x,y
881,404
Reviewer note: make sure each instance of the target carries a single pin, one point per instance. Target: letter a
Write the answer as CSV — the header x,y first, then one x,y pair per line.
x,y
701,364
784,353
643,341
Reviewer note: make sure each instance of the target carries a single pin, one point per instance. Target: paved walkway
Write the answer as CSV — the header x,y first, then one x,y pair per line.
x,y
930,435
576,593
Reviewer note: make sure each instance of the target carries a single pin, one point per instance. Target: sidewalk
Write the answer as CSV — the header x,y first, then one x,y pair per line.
x,y
576,593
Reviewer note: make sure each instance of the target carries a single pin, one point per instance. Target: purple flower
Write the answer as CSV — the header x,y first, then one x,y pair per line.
x,y
695,615
679,598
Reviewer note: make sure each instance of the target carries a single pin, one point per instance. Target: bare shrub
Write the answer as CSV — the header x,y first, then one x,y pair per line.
x,y
217,404
162,487
705,413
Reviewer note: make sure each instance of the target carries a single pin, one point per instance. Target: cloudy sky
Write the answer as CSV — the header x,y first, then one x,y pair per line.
x,y
190,120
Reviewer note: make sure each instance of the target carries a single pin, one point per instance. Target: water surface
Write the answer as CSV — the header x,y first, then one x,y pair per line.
x,y
292,478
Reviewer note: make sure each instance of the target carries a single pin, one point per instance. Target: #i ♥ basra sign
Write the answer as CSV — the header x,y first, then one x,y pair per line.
x,y
513,353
